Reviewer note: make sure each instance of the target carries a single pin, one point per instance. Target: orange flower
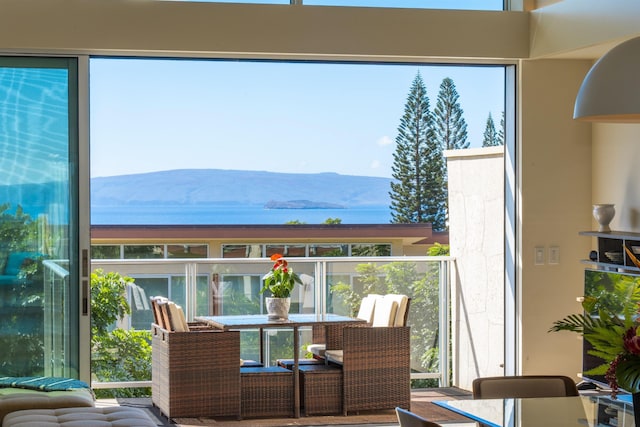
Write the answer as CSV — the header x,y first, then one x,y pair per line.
x,y
281,280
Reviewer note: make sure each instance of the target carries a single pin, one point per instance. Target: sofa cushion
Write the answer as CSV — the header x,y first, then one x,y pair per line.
x,y
110,416
16,399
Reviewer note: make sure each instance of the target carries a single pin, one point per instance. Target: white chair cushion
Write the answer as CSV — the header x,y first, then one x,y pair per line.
x,y
177,320
317,349
335,356
367,307
402,301
385,312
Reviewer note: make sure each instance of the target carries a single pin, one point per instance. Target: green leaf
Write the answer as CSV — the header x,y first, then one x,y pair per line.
x,y
628,374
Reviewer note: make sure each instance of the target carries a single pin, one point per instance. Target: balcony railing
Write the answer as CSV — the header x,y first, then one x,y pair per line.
x,y
330,285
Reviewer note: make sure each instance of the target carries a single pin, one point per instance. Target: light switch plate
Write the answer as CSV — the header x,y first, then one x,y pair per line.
x,y
538,255
554,255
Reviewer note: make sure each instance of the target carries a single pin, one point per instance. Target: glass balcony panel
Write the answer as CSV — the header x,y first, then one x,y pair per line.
x,y
232,287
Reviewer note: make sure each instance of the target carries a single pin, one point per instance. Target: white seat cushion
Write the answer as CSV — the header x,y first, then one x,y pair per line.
x,y
317,349
367,307
402,301
385,312
334,356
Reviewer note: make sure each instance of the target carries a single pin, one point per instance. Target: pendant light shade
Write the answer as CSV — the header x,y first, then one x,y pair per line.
x,y
611,90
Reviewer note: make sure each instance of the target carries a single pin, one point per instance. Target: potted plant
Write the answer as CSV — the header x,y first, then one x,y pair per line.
x,y
614,335
279,281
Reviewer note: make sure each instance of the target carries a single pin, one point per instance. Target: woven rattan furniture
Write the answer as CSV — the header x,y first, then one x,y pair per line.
x,y
197,373
266,392
295,321
376,368
321,387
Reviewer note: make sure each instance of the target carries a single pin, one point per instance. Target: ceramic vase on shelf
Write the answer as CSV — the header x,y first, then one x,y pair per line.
x,y
278,308
603,213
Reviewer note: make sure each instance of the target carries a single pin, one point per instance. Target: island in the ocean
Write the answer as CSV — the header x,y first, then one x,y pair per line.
x,y
301,204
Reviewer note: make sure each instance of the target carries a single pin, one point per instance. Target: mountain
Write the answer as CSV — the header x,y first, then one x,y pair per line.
x,y
220,186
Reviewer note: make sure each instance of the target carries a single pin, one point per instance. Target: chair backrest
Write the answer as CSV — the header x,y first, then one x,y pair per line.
x,y
524,386
403,308
367,307
384,314
409,419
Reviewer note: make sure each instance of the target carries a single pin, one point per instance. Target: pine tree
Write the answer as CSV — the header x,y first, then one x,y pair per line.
x,y
490,138
418,192
501,130
451,128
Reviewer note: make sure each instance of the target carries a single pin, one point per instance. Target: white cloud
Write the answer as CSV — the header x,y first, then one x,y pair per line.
x,y
375,164
384,141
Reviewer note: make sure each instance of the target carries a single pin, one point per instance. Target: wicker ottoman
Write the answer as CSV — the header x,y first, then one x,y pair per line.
x,y
321,387
266,392
79,417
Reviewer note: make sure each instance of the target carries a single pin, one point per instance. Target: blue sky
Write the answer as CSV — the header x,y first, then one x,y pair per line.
x,y
150,115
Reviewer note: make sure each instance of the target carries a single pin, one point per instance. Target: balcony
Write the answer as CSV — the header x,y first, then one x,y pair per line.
x,y
330,285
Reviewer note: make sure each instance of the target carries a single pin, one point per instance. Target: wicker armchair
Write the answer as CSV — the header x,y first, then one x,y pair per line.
x,y
196,373
376,368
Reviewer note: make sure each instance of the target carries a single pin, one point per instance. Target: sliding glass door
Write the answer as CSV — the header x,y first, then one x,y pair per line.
x,y
40,306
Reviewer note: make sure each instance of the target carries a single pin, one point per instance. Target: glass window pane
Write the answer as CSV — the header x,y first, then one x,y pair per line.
x,y
286,250
187,251
38,225
329,250
241,251
363,249
143,251
105,251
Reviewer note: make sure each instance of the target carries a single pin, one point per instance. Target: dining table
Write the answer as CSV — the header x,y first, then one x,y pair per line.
x,y
294,322
589,410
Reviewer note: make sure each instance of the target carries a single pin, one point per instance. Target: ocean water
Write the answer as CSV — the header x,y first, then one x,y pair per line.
x,y
229,215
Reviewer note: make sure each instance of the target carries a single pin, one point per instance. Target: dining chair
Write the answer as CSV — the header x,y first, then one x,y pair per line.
x,y
523,386
365,312
409,419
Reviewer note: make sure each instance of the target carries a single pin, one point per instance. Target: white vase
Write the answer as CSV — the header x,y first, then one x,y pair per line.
x,y
603,213
278,308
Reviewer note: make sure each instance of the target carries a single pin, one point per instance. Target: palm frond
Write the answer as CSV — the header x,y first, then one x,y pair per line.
x,y
628,374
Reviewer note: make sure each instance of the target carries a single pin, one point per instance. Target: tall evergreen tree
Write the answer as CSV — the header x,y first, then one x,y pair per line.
x,y
451,128
490,137
501,130
418,192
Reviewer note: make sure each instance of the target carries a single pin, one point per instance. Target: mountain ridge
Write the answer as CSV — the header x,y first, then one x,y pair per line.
x,y
227,186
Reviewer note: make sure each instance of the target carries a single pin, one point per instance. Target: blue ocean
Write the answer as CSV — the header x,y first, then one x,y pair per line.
x,y
229,215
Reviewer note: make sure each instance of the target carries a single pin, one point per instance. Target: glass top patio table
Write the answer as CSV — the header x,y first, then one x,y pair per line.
x,y
262,321
586,410
252,321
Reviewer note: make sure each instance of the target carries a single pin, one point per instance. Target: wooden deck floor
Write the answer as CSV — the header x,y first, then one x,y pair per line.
x,y
420,403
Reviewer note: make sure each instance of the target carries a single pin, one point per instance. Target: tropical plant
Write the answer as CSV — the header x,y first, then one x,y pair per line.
x,y
281,280
117,354
613,330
